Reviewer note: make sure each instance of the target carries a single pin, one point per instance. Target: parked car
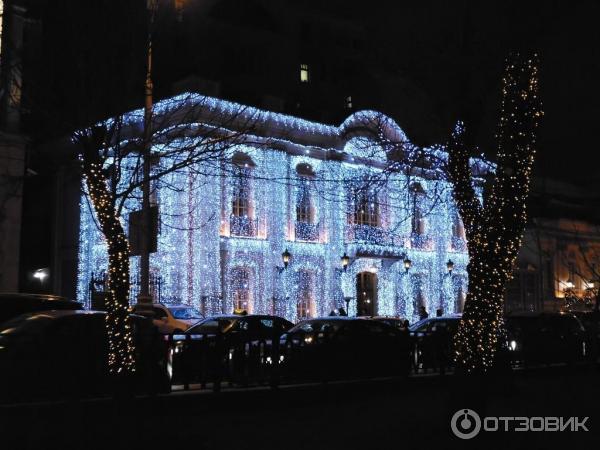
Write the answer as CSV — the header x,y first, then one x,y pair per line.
x,y
236,345
343,347
58,354
432,341
591,322
546,338
15,304
172,318
396,322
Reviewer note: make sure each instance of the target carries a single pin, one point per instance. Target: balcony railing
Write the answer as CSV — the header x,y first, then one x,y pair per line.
x,y
421,241
308,232
243,226
371,235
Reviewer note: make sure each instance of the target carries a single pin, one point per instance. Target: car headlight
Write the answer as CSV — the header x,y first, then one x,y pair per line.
x,y
308,339
512,345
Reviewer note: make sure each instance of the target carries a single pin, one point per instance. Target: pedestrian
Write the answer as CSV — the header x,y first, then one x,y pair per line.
x,y
423,314
342,311
439,312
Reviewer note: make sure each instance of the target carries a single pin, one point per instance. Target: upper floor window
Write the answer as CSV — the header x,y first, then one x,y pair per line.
x,y
366,208
304,74
241,200
304,203
242,221
349,102
418,224
458,228
306,230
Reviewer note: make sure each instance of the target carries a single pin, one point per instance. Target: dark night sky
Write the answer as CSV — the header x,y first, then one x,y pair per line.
x,y
455,51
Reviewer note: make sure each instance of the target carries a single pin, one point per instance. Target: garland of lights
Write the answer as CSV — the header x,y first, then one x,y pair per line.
x,y
121,351
198,257
494,230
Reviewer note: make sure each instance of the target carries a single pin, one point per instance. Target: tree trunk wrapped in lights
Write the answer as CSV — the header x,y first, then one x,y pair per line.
x,y
495,229
121,352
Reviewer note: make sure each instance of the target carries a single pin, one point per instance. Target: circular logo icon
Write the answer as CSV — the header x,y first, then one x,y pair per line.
x,y
465,423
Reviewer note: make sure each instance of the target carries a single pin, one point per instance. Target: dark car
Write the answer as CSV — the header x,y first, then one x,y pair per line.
x,y
396,322
58,354
233,347
591,322
546,338
343,347
15,304
432,341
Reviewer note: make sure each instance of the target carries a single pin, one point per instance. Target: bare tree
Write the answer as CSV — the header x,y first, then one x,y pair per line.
x,y
187,136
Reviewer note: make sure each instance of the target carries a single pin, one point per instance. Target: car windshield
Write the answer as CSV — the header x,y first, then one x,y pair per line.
x,y
185,313
419,326
316,326
210,325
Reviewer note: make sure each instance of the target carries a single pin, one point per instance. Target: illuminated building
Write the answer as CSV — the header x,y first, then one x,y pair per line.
x,y
267,227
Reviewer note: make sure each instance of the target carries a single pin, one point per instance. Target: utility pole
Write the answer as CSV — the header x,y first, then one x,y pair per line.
x,y
146,226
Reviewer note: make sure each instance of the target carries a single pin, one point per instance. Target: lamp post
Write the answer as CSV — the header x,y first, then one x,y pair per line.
x,y
144,297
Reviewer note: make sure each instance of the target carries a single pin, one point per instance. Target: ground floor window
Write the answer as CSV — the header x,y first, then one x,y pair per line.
x,y
305,294
241,286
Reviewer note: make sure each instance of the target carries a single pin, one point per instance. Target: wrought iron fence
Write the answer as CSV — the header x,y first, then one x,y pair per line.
x,y
309,232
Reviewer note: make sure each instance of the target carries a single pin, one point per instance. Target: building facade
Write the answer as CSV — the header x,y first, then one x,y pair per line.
x,y
558,266
309,221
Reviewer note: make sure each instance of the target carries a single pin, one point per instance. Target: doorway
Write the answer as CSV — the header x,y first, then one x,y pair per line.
x,y
366,294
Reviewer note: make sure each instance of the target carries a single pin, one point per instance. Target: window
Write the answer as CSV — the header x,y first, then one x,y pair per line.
x,y
240,206
240,283
418,219
242,223
458,229
366,209
304,76
306,230
349,102
304,211
305,294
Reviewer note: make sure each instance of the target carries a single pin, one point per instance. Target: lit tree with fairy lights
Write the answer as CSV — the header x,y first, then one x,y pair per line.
x,y
494,229
187,137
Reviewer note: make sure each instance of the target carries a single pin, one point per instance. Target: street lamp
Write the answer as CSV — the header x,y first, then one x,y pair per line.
x,y
285,257
407,264
345,259
40,274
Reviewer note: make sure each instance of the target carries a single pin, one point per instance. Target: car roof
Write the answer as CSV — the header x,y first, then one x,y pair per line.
x,y
532,314
26,296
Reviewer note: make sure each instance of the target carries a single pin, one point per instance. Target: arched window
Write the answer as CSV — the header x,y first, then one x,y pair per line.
x,y
242,211
366,208
306,283
458,229
306,229
304,203
418,223
241,286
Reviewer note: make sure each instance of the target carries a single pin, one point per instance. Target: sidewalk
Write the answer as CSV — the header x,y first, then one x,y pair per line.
x,y
385,413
